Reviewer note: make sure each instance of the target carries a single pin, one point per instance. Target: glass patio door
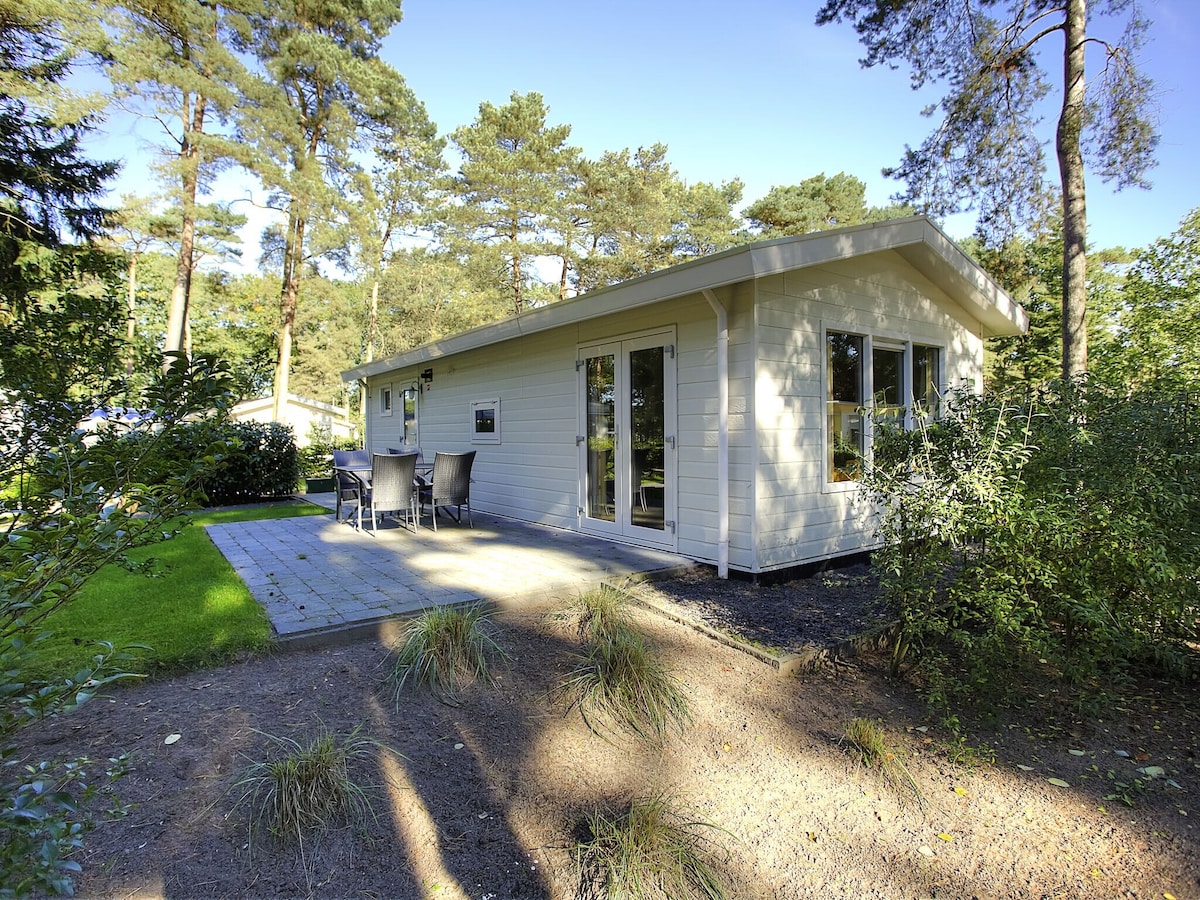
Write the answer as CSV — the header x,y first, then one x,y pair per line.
x,y
627,438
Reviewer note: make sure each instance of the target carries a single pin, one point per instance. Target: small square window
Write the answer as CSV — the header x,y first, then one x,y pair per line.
x,y
485,421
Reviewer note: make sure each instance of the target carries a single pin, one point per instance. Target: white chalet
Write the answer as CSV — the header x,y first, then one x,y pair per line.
x,y
713,409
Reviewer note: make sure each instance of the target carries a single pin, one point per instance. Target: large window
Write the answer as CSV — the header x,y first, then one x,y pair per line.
x,y
894,381
844,409
926,378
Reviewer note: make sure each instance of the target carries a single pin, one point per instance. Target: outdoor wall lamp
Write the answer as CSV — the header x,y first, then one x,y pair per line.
x,y
427,376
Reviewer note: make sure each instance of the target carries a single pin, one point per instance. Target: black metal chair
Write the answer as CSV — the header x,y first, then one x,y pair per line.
x,y
449,485
348,487
392,488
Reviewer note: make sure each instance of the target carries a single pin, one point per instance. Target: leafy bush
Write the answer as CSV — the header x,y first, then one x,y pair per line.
x,y
1059,530
647,849
316,459
257,460
81,502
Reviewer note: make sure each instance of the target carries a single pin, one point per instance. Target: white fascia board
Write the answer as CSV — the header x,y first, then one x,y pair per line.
x,y
936,256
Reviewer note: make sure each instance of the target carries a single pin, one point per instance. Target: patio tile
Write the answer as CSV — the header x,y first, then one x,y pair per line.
x,y
349,581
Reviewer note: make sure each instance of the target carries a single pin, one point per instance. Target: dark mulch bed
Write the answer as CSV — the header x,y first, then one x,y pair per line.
x,y
823,609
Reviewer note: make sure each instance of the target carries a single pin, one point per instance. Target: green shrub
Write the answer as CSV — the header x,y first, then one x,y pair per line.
x,y
257,460
444,649
316,458
1061,530
647,849
618,680
82,502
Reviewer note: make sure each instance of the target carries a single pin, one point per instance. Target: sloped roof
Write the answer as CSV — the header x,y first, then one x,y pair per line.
x,y
258,404
916,239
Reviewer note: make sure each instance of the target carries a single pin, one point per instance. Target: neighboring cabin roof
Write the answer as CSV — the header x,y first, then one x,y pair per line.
x,y
916,239
264,403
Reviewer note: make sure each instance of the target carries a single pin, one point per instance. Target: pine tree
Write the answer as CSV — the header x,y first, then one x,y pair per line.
x,y
987,153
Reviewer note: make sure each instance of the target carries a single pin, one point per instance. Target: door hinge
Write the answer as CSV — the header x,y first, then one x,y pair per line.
x,y
670,523
579,439
670,350
578,364
670,439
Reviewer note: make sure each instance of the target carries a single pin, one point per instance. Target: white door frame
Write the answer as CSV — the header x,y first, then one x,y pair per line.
x,y
626,516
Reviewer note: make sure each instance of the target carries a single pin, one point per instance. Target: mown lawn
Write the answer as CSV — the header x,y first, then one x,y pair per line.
x,y
193,612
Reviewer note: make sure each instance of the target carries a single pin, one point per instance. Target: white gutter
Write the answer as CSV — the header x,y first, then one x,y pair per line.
x,y
722,432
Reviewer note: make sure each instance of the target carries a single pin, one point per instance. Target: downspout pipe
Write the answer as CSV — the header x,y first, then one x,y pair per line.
x,y
722,432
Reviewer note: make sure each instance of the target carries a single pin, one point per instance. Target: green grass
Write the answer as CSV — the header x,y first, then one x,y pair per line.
x,y
648,849
444,649
196,612
619,682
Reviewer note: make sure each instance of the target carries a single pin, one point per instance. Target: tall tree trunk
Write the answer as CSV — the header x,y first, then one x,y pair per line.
x,y
518,300
131,315
189,158
373,317
288,297
1070,166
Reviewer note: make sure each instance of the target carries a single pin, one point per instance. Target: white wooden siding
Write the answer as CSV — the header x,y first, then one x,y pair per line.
x,y
799,517
532,474
782,512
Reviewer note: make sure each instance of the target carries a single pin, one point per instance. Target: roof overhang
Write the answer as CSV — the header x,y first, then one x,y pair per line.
x,y
916,239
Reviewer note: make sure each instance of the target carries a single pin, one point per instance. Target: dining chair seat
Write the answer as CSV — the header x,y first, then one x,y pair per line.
x,y
392,489
449,485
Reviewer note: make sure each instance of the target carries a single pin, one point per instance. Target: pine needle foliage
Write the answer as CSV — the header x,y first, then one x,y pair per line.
x,y
619,680
647,850
444,649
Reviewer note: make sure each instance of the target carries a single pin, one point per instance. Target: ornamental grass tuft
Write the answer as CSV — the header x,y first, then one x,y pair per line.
x,y
305,787
647,850
444,649
599,612
868,739
619,680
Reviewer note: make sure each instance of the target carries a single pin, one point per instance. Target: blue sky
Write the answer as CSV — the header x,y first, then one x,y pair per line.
x,y
752,90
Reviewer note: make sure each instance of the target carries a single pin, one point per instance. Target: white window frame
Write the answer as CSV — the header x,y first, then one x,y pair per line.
x,y
485,437
387,399
410,434
871,340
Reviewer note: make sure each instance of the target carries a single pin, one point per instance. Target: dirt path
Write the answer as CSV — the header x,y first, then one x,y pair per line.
x,y
482,800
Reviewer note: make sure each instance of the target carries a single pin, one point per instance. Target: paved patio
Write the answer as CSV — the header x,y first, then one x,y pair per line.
x,y
324,582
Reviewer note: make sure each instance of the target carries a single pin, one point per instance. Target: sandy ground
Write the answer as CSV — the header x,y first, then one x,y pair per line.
x,y
482,800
